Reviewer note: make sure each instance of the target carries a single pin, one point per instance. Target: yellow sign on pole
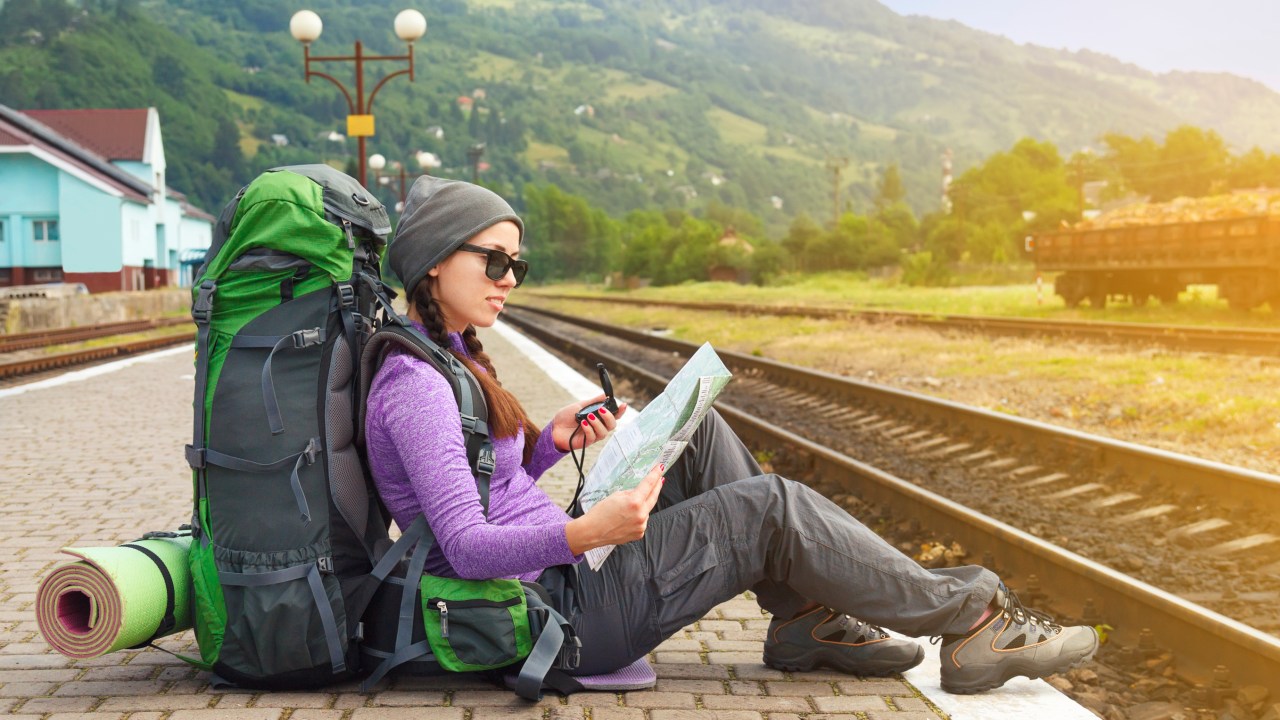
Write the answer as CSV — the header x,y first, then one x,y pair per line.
x,y
359,126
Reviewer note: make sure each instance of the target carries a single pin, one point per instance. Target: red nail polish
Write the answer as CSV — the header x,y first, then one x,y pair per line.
x,y
592,417
584,423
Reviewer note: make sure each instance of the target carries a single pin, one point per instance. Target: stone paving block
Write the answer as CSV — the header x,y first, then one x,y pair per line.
x,y
678,658
697,687
595,700
895,715
312,714
565,712
41,705
157,702
526,712
499,698
704,715
403,698
873,687
617,713
109,688
293,700
754,648
734,658
651,699
86,716
745,687
26,689
679,645
911,704
758,703
232,700
188,687
720,625
221,714
702,635
795,688
428,713
349,701
27,662
757,671
850,704
120,672
756,636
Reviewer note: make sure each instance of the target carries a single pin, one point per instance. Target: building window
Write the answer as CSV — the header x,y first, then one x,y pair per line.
x,y
44,230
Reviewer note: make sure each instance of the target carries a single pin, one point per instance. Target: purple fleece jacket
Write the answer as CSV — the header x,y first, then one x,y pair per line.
x,y
419,465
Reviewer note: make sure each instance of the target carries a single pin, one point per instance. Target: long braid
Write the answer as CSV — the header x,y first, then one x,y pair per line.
x,y
506,415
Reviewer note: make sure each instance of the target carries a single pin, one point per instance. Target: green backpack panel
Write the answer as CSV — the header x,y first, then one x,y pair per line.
x,y
285,524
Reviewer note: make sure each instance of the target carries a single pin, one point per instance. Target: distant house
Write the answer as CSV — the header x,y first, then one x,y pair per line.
x,y
584,110
83,199
436,132
279,139
731,258
465,102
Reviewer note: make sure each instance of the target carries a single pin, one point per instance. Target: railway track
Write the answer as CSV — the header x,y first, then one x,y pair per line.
x,y
36,363
45,338
1240,341
1156,545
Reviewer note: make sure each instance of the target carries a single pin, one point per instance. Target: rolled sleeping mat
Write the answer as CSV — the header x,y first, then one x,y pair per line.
x,y
116,597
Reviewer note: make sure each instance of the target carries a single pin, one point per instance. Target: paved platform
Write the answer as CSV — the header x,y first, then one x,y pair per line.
x,y
95,458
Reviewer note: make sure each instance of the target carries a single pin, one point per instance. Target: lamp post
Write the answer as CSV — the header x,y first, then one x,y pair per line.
x,y
305,26
474,154
377,162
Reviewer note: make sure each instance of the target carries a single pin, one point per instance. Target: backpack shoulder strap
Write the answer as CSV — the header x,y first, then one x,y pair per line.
x,y
466,391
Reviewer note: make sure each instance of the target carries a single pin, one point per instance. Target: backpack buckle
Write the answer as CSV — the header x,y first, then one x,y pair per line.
x,y
486,462
202,308
571,653
307,338
469,422
346,295
312,450
325,564
195,457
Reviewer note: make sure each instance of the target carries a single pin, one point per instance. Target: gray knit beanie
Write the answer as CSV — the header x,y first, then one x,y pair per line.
x,y
439,215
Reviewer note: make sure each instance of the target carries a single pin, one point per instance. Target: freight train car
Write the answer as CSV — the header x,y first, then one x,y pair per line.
x,y
1241,255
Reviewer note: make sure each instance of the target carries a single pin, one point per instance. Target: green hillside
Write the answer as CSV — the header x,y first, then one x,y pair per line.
x,y
690,101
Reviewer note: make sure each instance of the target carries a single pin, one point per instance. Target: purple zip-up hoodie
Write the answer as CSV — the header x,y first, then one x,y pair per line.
x,y
419,465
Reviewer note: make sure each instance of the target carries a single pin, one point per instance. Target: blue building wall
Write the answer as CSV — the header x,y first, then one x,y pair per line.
x,y
28,192
90,232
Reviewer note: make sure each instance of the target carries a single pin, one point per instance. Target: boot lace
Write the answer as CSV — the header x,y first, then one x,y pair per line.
x,y
859,628
1015,611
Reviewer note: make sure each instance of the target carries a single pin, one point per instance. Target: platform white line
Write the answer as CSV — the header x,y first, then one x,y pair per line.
x,y
573,382
95,371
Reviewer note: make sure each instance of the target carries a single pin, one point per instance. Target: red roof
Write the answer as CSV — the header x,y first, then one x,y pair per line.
x,y
17,128
113,134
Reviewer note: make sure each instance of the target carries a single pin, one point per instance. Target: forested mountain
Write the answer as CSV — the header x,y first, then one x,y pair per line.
x,y
629,103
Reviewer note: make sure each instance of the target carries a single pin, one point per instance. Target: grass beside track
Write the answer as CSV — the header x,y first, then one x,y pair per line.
x,y
1222,408
1198,306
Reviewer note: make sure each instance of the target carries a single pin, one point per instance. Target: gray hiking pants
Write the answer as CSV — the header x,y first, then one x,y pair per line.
x,y
722,527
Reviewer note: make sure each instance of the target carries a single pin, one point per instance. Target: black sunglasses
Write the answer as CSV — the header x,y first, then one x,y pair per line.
x,y
498,263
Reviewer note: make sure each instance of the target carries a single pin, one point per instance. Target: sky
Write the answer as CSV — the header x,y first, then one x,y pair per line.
x,y
1236,36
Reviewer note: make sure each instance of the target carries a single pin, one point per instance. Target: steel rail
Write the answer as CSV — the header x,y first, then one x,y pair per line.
x,y
44,338
1199,638
1248,341
1230,485
80,357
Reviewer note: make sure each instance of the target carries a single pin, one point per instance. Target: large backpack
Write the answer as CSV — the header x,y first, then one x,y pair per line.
x,y
296,582
285,525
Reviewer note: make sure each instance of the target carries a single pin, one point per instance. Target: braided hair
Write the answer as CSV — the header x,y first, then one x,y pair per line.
x,y
506,415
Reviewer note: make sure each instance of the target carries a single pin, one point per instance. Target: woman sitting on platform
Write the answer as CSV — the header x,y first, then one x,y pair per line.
x,y
690,536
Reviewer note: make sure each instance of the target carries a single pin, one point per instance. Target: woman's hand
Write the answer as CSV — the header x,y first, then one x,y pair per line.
x,y
564,425
617,519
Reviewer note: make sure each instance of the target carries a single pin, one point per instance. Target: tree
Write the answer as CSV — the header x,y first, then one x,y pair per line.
x,y
891,190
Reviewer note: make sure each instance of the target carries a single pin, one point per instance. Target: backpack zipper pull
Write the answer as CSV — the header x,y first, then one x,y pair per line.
x,y
444,618
346,227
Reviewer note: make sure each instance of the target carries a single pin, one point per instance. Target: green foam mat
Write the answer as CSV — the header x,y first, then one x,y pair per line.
x,y
113,598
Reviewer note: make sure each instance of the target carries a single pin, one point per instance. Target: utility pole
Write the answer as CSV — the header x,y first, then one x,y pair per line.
x,y
946,181
836,165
